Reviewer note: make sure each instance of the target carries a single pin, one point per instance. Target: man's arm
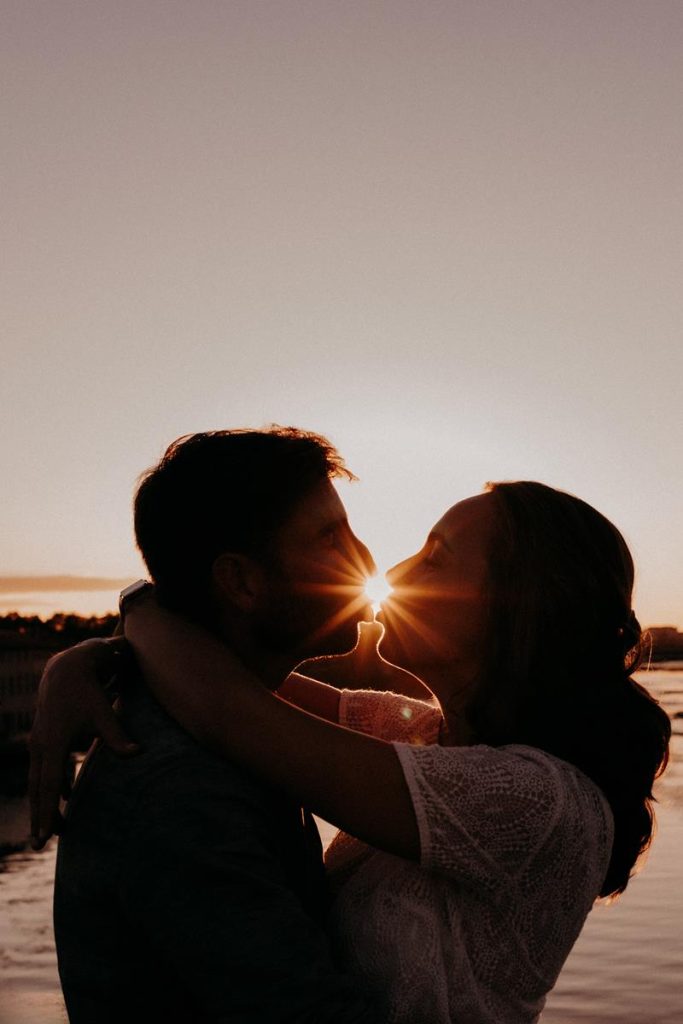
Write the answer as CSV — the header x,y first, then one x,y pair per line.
x,y
353,780
204,881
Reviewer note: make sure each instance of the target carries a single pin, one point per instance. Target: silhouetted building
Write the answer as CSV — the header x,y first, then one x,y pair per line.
x,y
22,660
667,643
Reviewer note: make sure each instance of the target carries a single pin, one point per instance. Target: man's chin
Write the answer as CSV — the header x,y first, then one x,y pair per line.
x,y
394,652
341,640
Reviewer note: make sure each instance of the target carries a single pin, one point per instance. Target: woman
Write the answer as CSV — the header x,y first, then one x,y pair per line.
x,y
478,830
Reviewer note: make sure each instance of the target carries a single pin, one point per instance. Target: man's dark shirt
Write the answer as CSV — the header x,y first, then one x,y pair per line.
x,y
187,890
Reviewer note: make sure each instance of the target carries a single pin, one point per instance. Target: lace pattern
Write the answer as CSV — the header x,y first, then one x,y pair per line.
x,y
514,848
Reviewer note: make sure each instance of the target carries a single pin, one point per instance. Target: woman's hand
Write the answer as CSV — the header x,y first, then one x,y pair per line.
x,y
72,709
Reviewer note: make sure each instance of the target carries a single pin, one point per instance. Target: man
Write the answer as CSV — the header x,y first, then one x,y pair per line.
x,y
185,888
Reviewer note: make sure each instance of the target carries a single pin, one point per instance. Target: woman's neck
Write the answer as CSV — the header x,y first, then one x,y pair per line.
x,y
453,693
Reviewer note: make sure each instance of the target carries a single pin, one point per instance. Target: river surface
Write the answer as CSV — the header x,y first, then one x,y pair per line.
x,y
626,968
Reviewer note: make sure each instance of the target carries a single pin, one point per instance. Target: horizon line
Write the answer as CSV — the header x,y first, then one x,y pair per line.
x,y
61,582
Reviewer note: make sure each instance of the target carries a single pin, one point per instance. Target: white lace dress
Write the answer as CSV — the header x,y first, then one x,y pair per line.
x,y
515,845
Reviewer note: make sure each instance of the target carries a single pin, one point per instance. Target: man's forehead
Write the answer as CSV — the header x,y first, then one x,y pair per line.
x,y
320,505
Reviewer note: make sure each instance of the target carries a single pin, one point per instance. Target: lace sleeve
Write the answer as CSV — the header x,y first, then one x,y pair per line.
x,y
485,813
390,716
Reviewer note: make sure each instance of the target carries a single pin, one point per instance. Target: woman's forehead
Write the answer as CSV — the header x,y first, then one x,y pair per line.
x,y
472,517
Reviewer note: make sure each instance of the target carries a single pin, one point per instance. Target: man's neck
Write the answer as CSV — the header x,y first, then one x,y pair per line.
x,y
272,669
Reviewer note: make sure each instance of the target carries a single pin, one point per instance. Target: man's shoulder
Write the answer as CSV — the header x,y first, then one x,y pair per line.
x,y
171,769
196,776
183,803
167,748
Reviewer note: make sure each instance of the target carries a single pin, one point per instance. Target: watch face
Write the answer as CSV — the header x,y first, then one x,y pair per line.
x,y
131,590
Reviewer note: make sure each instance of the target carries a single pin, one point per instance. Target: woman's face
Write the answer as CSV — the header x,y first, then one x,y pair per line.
x,y
435,619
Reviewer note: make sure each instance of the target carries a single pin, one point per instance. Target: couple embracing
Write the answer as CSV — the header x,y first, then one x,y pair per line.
x,y
477,827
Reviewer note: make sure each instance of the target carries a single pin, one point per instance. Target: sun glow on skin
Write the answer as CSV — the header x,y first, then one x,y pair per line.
x,y
402,622
377,589
343,587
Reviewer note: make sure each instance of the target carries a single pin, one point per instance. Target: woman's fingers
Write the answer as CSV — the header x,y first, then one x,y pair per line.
x,y
110,732
50,768
45,784
33,793
72,709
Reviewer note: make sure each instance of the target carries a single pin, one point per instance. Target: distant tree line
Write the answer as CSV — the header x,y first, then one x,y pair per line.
x,y
61,629
65,629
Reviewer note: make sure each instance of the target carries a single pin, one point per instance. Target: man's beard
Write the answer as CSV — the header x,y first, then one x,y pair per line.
x,y
302,625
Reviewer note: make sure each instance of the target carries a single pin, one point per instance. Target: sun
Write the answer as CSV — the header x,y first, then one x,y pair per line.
x,y
377,589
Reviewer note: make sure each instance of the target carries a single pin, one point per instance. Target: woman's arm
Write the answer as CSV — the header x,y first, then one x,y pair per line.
x,y
72,709
311,695
350,779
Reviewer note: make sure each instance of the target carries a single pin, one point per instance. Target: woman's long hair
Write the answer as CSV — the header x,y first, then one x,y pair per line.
x,y
565,644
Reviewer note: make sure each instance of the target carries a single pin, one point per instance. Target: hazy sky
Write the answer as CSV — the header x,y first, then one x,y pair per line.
x,y
447,234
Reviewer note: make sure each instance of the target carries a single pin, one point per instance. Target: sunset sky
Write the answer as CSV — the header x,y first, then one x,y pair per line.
x,y
449,235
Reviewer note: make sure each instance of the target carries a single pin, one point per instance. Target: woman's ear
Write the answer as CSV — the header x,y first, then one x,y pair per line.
x,y
238,580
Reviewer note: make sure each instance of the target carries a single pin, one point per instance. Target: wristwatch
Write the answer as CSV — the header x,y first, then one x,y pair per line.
x,y
132,593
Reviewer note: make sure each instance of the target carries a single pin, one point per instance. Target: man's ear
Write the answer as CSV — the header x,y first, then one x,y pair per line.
x,y
238,579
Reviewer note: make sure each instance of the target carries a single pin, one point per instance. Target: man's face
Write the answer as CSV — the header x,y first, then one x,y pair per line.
x,y
315,596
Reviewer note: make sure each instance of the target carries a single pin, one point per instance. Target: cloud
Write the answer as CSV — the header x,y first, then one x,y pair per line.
x,y
10,604
53,584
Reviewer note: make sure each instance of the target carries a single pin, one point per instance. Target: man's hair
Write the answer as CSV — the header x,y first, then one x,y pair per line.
x,y
222,490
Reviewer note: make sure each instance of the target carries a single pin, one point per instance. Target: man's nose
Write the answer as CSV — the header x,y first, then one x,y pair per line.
x,y
361,557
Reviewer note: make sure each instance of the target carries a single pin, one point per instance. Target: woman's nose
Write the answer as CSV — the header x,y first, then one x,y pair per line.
x,y
398,574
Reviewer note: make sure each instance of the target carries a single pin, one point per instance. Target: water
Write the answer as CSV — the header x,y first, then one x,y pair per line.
x,y
627,966
29,984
